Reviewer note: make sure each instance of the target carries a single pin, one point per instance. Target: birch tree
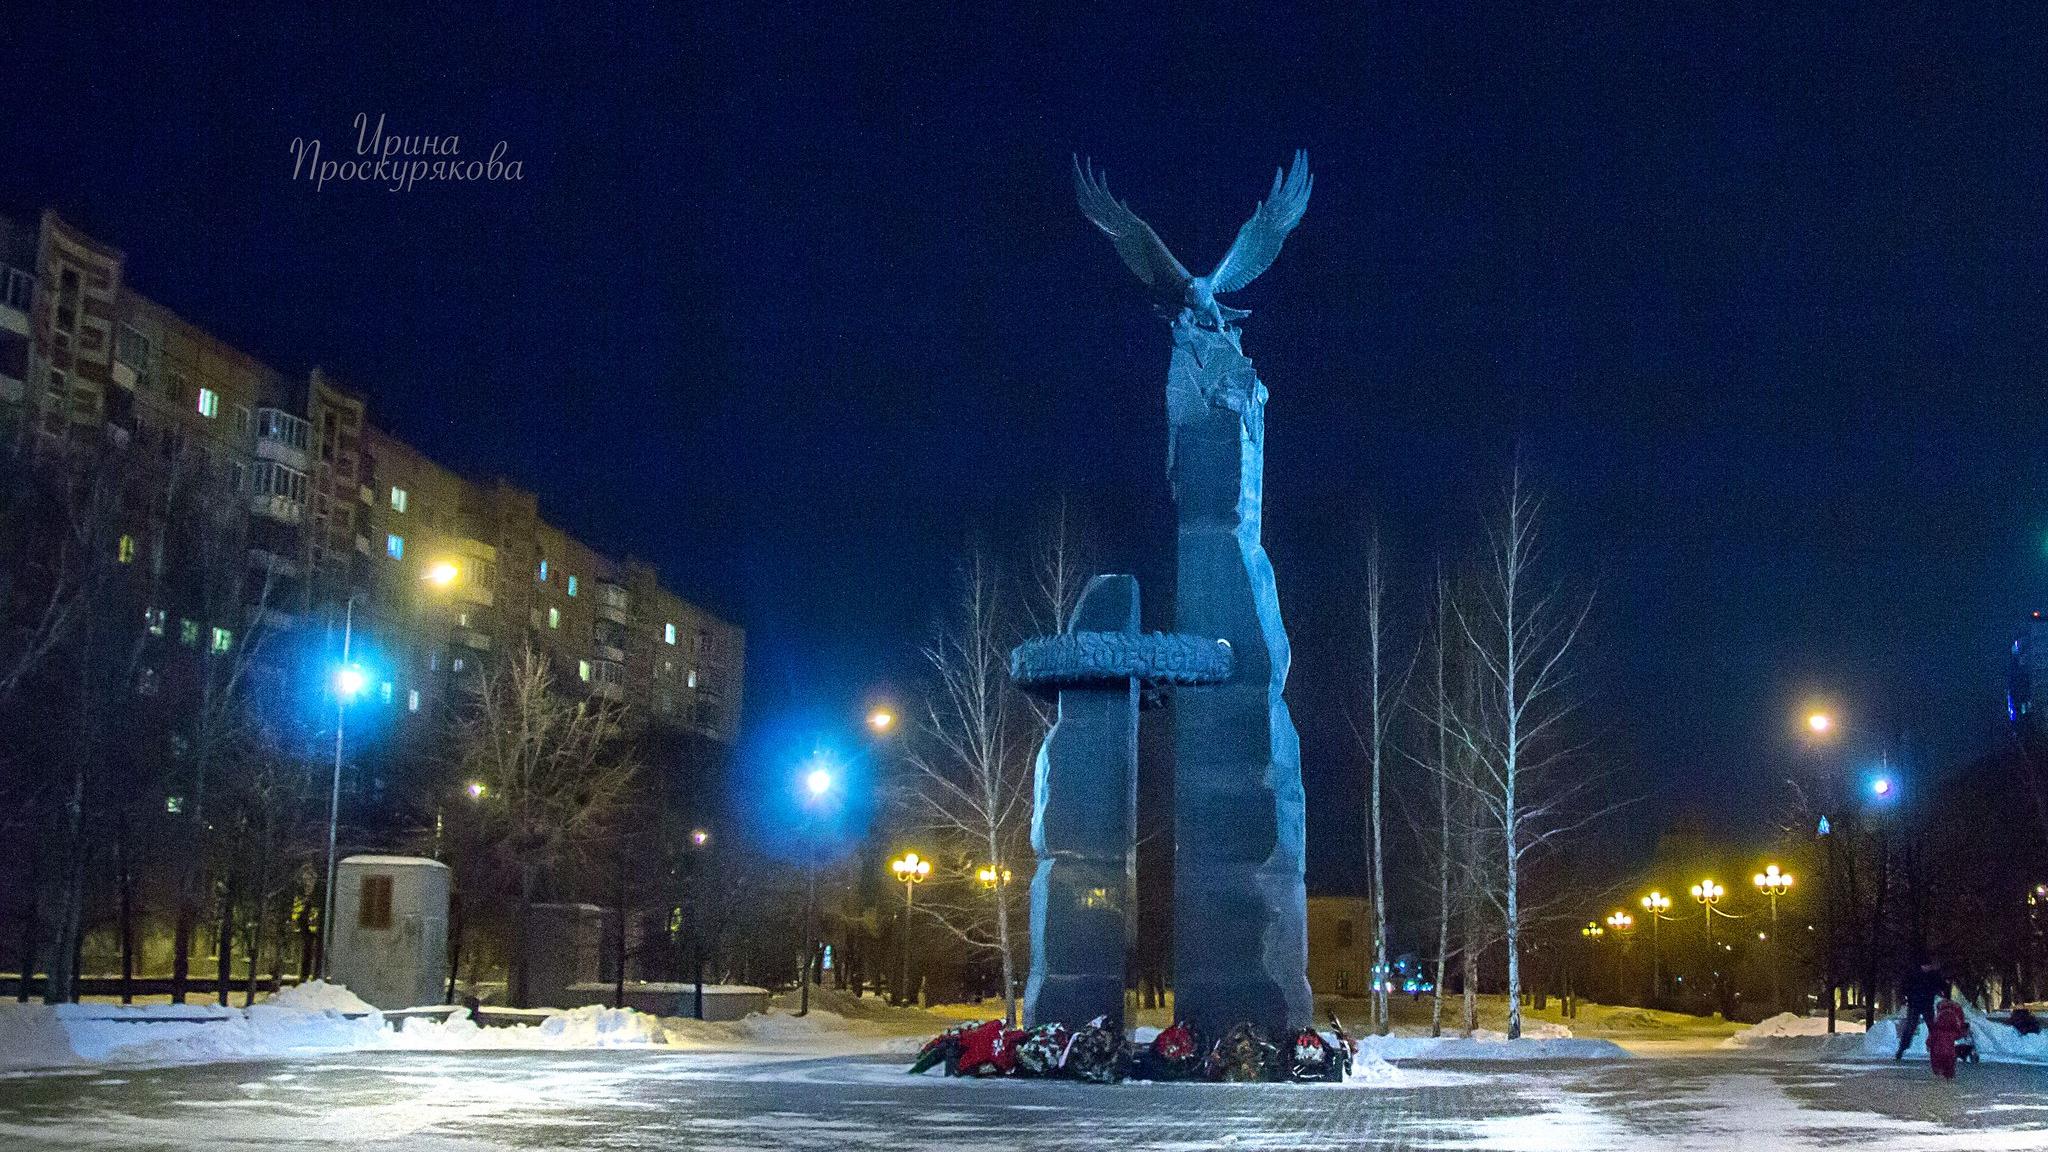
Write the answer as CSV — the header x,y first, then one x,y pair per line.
x,y
1518,634
970,782
553,769
1382,705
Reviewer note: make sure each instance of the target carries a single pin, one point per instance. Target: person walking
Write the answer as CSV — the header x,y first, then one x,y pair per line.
x,y
1943,1032
1923,985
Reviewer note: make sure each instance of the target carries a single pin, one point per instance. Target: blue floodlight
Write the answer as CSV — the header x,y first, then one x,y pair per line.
x,y
350,680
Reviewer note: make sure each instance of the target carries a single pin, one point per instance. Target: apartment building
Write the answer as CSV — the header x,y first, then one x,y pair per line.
x,y
345,521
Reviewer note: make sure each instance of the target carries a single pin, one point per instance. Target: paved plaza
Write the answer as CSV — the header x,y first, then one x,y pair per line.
x,y
641,1099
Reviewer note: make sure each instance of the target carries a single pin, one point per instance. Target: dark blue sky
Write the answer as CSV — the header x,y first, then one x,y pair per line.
x,y
791,301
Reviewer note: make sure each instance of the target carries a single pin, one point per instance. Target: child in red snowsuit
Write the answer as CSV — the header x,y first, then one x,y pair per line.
x,y
1948,1027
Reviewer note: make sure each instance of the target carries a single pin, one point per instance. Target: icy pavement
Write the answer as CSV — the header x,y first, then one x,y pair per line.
x,y
663,1099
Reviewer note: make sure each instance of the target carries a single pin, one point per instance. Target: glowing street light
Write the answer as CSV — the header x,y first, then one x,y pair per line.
x,y
1621,921
349,681
818,782
881,719
1774,883
1881,787
442,573
476,790
1820,723
699,837
1658,905
991,877
910,870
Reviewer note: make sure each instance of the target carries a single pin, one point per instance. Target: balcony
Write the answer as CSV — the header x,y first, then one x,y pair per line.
x,y
282,437
613,603
609,652
470,638
280,508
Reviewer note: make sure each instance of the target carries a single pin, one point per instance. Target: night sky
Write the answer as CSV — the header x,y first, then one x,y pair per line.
x,y
794,302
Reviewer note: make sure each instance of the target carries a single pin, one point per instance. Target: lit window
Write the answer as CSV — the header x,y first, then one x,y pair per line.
x,y
543,577
691,679
175,805
209,403
462,619
188,632
433,659
412,700
572,585
398,499
455,665
394,546
125,551
154,618
223,639
554,617
583,671
668,633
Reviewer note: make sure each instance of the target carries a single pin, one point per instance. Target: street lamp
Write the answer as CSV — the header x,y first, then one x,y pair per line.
x,y
476,789
442,573
992,877
910,870
1707,894
1774,883
881,719
817,782
699,841
349,682
1657,905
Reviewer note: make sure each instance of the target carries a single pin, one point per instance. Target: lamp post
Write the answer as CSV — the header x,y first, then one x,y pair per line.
x,y
1774,883
349,682
1707,894
1658,905
1591,933
699,841
817,782
910,870
1621,924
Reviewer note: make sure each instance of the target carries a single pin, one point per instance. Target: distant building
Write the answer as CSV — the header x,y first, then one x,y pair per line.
x,y
338,511
1339,945
2026,679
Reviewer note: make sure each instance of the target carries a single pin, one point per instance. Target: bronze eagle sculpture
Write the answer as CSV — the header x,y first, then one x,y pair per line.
x,y
1257,243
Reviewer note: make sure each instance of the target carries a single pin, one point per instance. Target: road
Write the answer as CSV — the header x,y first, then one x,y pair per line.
x,y
642,1099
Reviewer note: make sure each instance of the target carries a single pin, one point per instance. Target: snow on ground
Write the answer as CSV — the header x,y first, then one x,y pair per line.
x,y
326,1018
1996,1043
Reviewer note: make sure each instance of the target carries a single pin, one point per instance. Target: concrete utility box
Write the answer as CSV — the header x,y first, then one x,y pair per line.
x,y
389,943
565,944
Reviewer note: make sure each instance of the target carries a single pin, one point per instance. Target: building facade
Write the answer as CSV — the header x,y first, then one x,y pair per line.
x,y
1340,945
338,523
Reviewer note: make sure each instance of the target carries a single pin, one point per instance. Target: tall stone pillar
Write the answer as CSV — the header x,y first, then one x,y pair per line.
x,y
1240,947
1084,824
1084,811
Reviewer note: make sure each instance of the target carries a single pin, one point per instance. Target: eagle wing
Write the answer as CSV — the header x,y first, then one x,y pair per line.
x,y
1142,250
1258,242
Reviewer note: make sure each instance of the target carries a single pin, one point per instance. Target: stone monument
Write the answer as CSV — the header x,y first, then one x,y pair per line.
x,y
1240,909
1084,812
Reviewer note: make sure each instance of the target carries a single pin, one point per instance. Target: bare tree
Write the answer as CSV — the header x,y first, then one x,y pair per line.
x,y
1383,697
1518,635
969,778
553,769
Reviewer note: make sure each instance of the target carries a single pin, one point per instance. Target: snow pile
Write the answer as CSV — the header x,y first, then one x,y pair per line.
x,y
320,996
1996,1043
1789,1026
195,1033
1541,1040
591,1026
